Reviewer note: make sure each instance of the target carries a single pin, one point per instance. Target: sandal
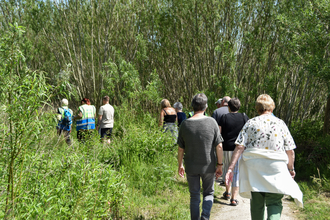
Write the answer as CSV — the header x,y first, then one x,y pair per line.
x,y
234,202
226,195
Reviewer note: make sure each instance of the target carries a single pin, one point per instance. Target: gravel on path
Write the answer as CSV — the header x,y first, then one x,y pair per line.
x,y
222,210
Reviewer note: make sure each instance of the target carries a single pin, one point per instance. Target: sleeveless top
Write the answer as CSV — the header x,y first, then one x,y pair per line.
x,y
169,118
87,121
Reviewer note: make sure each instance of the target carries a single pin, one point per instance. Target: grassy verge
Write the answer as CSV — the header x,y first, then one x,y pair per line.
x,y
316,198
133,178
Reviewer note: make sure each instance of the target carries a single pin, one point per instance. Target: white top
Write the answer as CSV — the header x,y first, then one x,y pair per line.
x,y
107,112
266,132
263,167
263,170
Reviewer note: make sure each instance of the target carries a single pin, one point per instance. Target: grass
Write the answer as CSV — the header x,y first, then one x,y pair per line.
x,y
316,204
133,178
316,198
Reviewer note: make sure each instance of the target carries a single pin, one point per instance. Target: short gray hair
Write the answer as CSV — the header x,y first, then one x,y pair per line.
x,y
199,102
178,105
226,99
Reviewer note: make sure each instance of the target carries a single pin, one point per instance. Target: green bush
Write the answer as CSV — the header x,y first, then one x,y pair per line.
x,y
312,151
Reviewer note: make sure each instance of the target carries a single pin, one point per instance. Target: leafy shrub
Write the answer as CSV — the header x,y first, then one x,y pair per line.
x,y
65,182
312,151
306,132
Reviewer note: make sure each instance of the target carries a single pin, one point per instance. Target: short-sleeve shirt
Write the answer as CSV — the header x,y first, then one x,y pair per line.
x,y
266,132
199,137
231,124
107,112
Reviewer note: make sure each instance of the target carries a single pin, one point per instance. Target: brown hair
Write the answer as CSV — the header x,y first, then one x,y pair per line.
x,y
106,98
234,104
86,100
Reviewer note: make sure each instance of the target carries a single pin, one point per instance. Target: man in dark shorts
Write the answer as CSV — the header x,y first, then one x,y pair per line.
x,y
106,119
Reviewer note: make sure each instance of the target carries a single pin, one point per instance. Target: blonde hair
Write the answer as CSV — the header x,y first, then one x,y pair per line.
x,y
264,103
165,103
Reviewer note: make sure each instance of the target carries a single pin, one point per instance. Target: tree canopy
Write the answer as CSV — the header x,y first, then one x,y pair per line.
x,y
140,51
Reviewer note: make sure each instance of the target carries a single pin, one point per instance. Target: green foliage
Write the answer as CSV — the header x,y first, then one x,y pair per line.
x,y
62,88
306,131
147,158
24,93
316,197
312,151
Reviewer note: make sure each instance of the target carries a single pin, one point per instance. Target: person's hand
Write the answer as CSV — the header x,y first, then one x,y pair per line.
x,y
292,173
181,171
218,171
229,176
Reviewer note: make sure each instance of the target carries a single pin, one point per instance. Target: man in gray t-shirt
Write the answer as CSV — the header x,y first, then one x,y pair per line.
x,y
106,119
200,143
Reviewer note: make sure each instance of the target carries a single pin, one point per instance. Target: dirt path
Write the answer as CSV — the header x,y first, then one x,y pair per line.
x,y
222,210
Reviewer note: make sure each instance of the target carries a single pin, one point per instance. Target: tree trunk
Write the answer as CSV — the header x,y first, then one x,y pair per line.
x,y
326,127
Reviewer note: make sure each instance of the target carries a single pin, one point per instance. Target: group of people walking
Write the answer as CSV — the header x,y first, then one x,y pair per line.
x,y
255,157
86,120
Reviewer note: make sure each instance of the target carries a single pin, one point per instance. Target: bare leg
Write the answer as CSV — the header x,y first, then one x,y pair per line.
x,y
234,192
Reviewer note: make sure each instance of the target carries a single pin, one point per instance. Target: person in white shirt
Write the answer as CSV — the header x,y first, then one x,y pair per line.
x,y
106,119
266,169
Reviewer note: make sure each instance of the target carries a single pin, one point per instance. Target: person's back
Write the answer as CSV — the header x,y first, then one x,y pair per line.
x,y
106,119
199,135
200,143
231,124
169,115
107,116
61,111
219,112
181,117
87,121
65,120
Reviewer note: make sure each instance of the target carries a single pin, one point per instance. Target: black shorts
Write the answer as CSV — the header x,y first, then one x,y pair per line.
x,y
106,132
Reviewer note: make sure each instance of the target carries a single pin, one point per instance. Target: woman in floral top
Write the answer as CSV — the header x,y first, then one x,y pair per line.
x,y
267,164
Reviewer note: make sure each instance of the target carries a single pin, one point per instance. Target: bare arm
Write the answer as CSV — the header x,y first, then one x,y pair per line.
x,y
79,116
99,119
237,153
161,118
220,129
219,152
291,155
180,161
